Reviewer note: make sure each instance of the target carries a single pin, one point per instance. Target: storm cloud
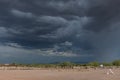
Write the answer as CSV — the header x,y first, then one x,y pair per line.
x,y
73,30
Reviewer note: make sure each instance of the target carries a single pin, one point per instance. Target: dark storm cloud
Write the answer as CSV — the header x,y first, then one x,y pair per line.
x,y
84,28
103,13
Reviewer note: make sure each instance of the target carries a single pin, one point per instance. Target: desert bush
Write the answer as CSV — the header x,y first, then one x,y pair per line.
x,y
107,64
66,65
116,63
95,64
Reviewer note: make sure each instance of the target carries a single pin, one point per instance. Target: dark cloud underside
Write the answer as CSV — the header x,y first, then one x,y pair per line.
x,y
83,30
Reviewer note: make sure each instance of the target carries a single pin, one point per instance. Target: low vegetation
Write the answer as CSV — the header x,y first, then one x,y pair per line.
x,y
65,65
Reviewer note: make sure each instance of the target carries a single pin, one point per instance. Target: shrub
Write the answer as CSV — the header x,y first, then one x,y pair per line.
x,y
107,64
66,65
116,63
95,64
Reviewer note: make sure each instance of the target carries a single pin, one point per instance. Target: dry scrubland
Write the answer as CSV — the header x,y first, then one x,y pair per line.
x,y
77,73
61,71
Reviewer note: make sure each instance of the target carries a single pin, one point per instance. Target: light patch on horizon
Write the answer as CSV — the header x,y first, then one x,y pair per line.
x,y
14,49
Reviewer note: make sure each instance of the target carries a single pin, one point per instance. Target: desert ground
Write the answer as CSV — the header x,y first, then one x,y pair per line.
x,y
54,74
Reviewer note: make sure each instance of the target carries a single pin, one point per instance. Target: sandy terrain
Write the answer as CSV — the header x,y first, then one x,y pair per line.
x,y
99,74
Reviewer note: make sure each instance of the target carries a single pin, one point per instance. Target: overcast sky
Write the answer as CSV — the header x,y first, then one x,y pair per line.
x,y
46,31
